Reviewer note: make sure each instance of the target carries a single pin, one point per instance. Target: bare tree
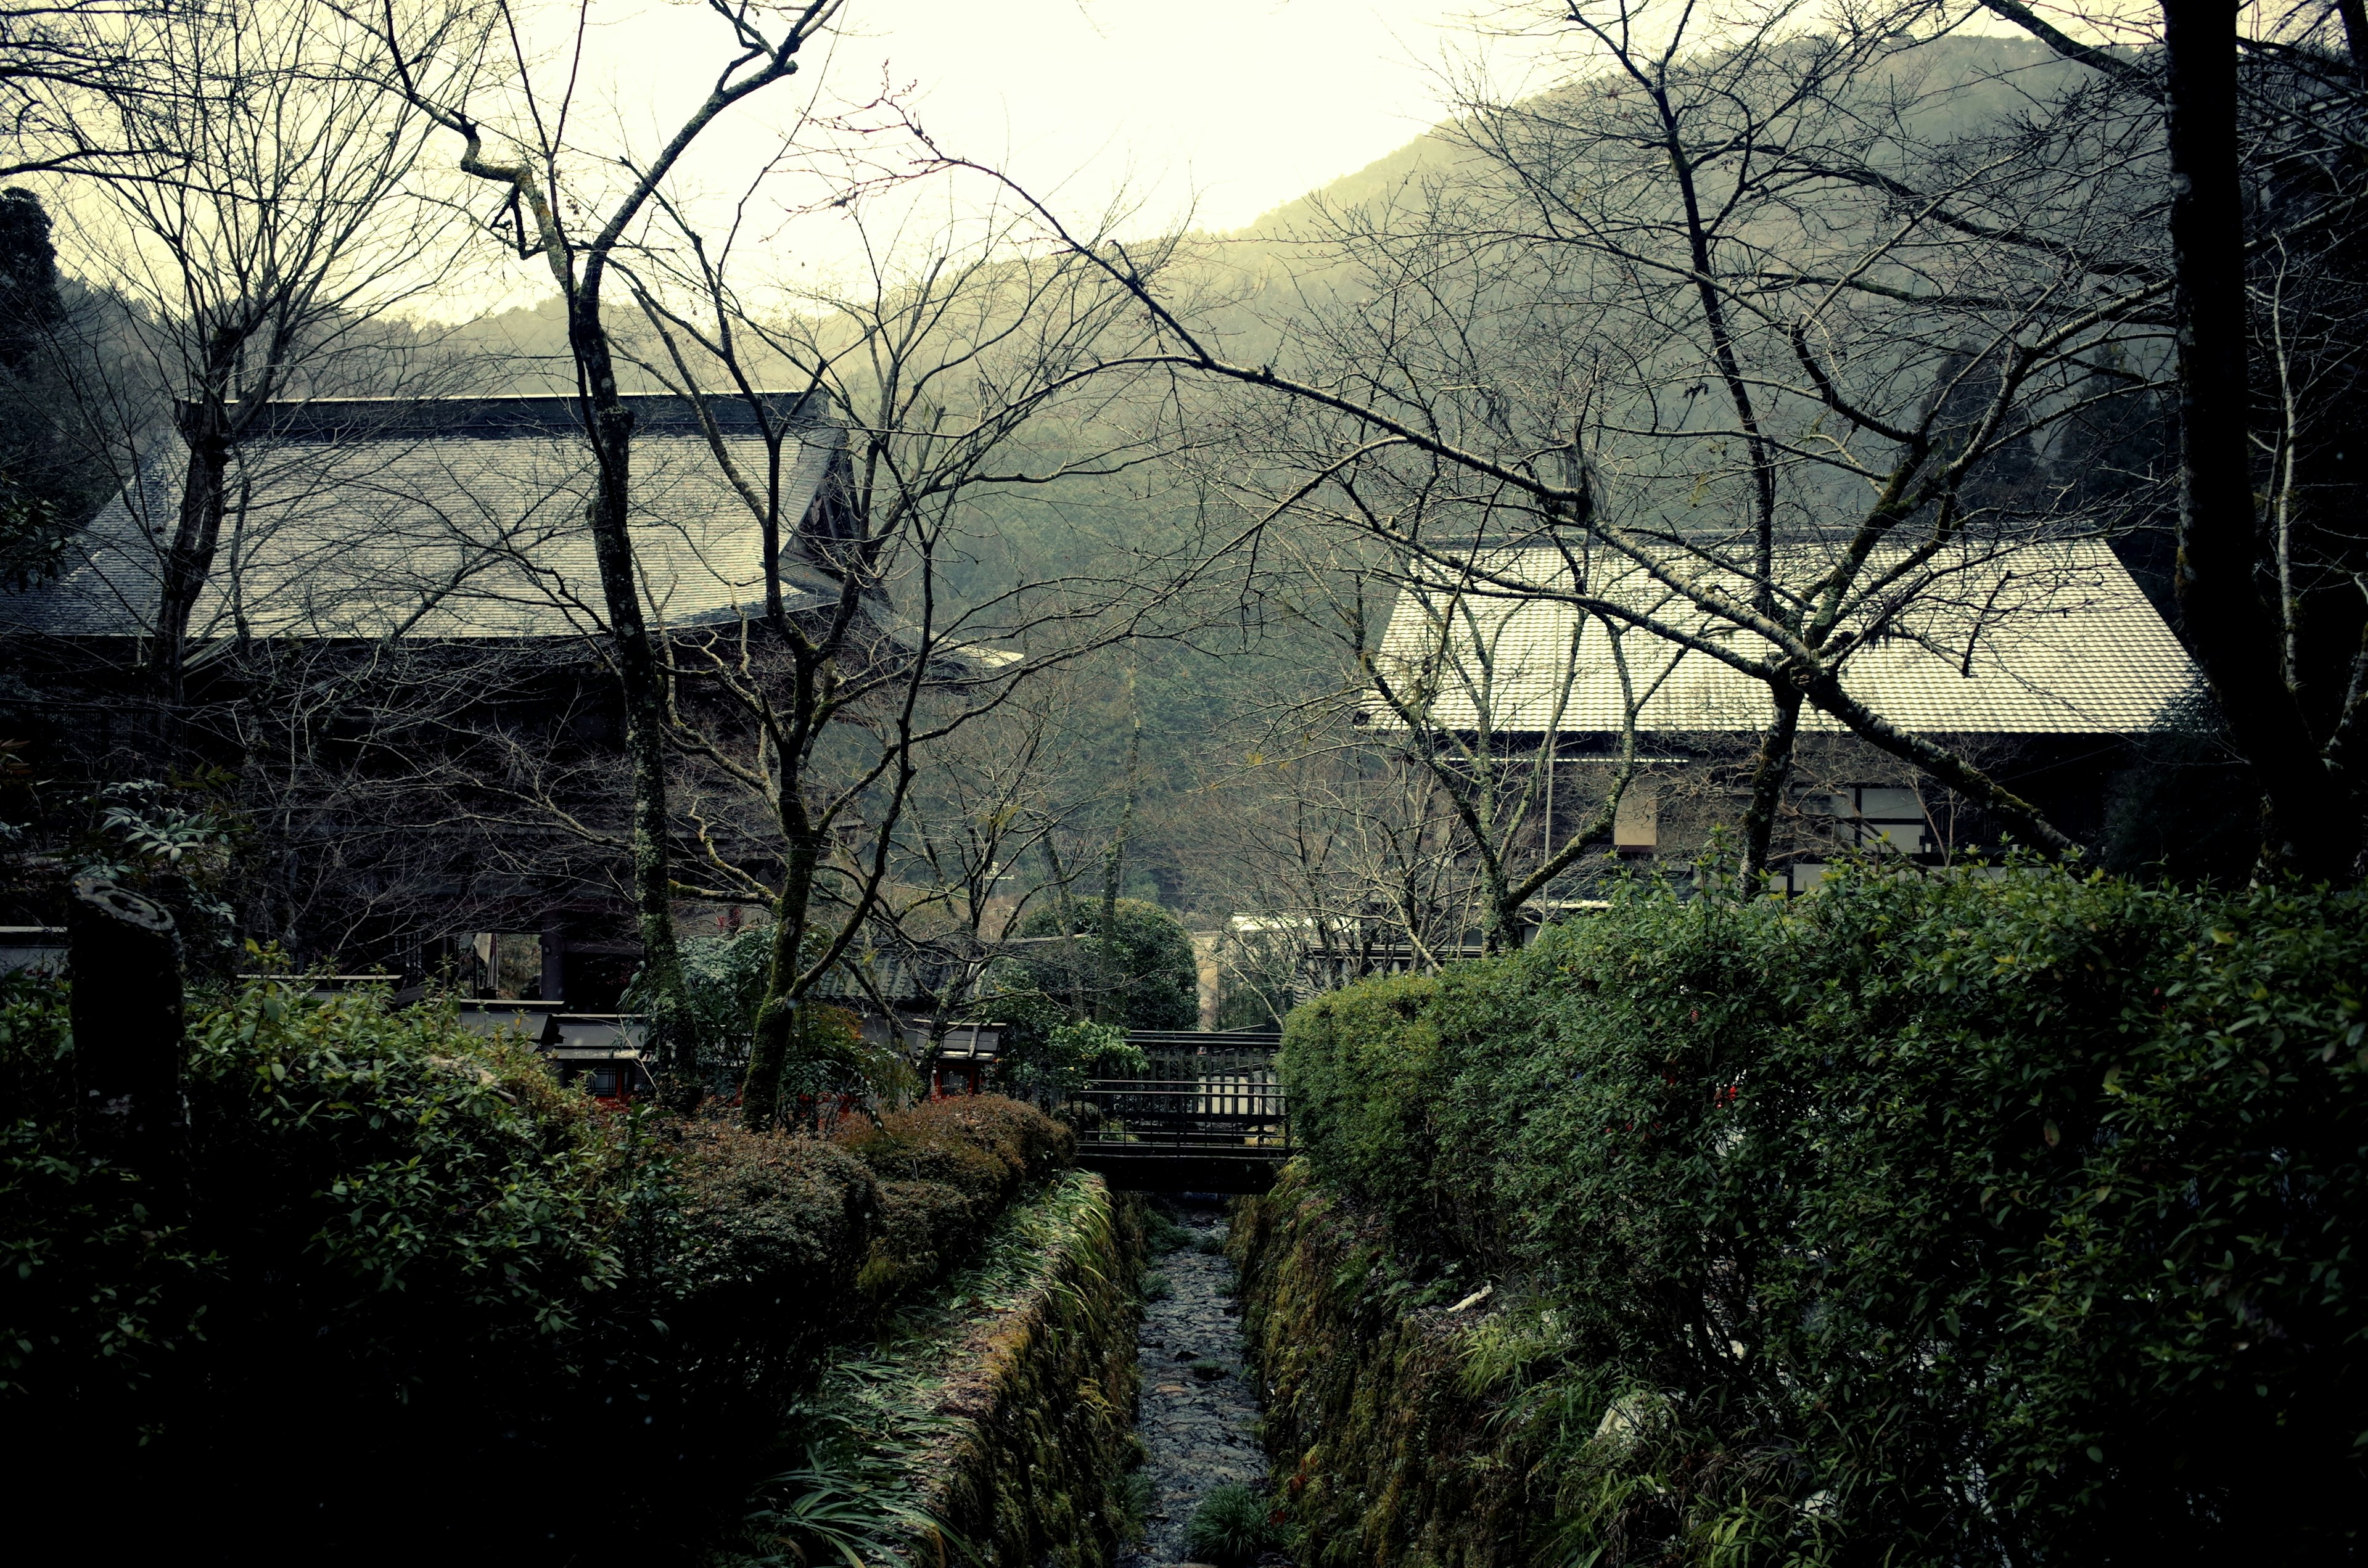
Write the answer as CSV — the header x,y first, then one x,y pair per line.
x,y
59,63
968,379
1440,739
1745,321
2257,122
254,250
548,181
978,847
257,244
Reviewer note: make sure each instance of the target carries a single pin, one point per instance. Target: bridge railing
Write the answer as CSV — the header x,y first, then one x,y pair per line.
x,y
1229,1102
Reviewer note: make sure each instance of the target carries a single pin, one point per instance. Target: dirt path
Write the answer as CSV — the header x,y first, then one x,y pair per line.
x,y
1199,1413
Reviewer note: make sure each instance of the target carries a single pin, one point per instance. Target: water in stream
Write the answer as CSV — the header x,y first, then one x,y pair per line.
x,y
1198,1409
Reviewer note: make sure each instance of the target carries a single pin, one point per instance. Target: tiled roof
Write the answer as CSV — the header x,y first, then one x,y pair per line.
x,y
450,518
908,976
2052,638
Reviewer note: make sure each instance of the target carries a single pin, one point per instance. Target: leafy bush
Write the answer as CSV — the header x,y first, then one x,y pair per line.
x,y
1229,1528
396,1237
1150,980
1948,1219
99,1284
1022,1143
774,1231
1058,1060
724,978
400,1239
427,1172
947,1168
1366,1073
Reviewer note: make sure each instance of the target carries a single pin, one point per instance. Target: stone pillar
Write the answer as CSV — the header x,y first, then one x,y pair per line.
x,y
554,963
125,966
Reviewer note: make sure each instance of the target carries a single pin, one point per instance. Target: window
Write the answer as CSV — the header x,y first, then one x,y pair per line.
x,y
602,1081
510,964
1894,819
1637,826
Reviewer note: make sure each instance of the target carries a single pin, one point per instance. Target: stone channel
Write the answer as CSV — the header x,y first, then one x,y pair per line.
x,y
1199,1410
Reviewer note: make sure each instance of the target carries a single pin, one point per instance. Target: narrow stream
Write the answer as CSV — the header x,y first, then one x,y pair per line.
x,y
1199,1410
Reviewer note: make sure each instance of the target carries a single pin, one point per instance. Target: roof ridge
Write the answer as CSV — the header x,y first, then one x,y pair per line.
x,y
494,415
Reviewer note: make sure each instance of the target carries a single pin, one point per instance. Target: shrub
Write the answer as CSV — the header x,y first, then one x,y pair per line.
x,y
1023,1144
100,1291
397,1238
405,1245
1952,1218
1058,1061
404,1168
1229,1528
925,1228
1151,981
947,1168
773,1225
723,980
1365,1074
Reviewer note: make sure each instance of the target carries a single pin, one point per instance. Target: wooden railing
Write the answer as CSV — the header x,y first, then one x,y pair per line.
x,y
1223,1100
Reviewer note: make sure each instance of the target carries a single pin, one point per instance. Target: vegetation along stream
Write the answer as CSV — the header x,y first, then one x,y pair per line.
x,y
1201,1494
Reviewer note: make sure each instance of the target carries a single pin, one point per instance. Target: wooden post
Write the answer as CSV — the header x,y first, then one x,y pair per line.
x,y
125,966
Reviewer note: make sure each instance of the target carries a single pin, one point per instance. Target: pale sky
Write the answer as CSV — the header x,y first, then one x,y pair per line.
x,y
1228,108
1248,103
1215,113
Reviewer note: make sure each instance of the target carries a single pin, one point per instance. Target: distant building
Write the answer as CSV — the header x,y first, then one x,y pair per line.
x,y
420,572
2044,664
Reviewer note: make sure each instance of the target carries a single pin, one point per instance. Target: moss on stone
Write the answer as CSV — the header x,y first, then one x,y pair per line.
x,y
1385,1457
1008,1399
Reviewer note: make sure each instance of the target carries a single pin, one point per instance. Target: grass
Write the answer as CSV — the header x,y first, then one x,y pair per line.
x,y
1163,1231
1230,1528
1156,1286
856,1508
1142,1493
873,1406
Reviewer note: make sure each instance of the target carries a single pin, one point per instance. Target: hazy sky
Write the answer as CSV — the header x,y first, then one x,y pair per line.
x,y
1253,102
1224,109
1242,104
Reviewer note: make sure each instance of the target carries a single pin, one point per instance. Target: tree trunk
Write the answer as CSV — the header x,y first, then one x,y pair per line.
x,y
608,425
777,1016
126,967
2355,33
1768,779
2308,825
1106,975
196,534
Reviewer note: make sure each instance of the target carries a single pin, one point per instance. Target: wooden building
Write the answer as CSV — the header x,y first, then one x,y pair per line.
x,y
397,664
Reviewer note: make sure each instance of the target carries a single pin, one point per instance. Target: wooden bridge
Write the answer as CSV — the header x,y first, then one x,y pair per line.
x,y
1208,1116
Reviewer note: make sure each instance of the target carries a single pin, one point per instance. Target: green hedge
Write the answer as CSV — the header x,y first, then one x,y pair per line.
x,y
406,1246
2007,1218
785,1238
398,1238
947,1168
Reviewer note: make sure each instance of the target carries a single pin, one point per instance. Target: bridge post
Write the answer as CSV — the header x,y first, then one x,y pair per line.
x,y
125,963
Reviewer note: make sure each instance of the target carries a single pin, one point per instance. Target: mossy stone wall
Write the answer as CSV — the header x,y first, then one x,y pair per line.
x,y
1030,1468
1384,1460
